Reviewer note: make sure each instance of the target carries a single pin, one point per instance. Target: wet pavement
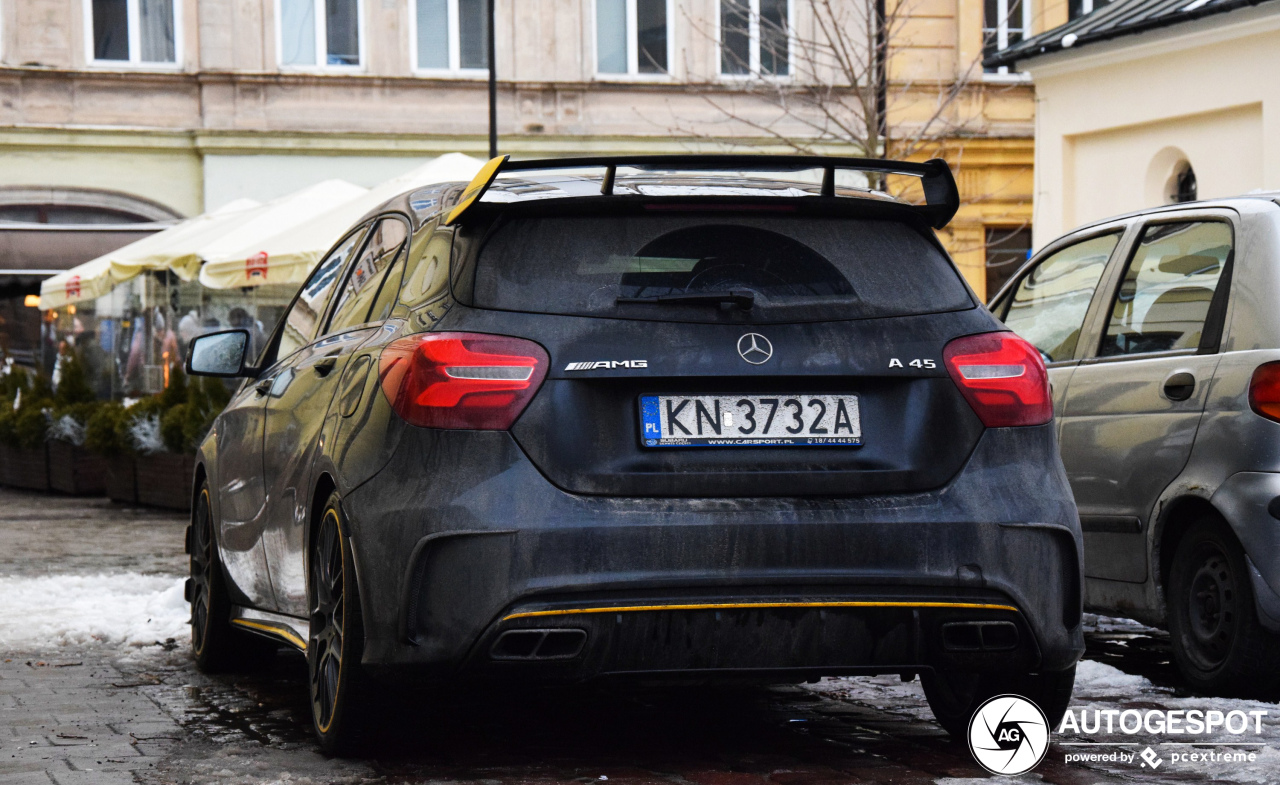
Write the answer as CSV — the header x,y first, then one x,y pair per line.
x,y
106,713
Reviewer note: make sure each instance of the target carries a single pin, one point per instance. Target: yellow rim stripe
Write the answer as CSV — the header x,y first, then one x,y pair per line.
x,y
277,630
733,605
337,523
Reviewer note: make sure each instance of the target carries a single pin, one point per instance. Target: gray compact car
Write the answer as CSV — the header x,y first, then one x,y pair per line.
x,y
1161,334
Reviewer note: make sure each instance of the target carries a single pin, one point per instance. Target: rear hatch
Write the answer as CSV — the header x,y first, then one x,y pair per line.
x,y
676,336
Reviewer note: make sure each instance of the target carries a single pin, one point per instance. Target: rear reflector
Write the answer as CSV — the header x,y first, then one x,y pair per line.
x,y
462,380
1264,391
1002,377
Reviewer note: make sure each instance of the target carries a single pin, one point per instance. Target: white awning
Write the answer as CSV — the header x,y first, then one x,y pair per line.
x,y
289,253
98,276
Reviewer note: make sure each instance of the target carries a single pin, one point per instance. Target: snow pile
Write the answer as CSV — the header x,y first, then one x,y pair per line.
x,y
1093,678
48,612
1101,686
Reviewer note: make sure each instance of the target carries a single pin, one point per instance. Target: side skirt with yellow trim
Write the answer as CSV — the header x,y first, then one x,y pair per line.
x,y
705,606
285,629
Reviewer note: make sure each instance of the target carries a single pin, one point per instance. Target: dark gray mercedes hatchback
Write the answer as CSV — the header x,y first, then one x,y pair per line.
x,y
656,418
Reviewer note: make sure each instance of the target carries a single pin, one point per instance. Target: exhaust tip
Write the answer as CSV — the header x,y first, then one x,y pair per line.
x,y
558,644
969,636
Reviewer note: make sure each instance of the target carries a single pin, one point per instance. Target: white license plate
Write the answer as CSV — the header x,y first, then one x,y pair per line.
x,y
786,420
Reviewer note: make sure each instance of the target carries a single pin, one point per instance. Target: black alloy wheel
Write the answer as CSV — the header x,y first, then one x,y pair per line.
x,y
339,693
955,695
326,620
201,573
1218,643
215,644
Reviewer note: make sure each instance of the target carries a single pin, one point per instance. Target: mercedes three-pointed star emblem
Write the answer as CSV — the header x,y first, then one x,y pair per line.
x,y
755,348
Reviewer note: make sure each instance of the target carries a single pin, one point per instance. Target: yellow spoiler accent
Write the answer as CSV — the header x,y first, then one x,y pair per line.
x,y
734,605
280,631
476,188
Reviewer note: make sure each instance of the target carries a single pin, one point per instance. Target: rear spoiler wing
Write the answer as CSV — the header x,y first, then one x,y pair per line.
x,y
942,199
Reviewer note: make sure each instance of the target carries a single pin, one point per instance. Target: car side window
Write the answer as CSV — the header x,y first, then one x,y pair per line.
x,y
1048,304
1167,288
304,315
360,287
427,273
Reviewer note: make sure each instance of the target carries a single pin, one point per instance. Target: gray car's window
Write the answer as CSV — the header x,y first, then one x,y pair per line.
x,y
304,315
361,285
796,268
1167,289
1049,303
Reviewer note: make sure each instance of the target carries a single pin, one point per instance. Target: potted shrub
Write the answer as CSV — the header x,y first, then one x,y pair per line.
x,y
165,465
24,456
106,435
73,468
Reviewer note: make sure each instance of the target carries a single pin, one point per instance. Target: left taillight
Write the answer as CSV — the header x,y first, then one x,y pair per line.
x,y
468,381
1002,377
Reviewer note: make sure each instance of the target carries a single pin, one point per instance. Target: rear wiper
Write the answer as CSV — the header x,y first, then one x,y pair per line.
x,y
743,300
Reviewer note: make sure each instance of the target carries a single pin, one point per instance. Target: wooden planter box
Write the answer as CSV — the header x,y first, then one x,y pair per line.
x,y
164,480
121,479
75,470
21,468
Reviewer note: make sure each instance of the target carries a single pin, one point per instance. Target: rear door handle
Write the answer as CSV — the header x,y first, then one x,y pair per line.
x,y
1179,386
325,365
263,387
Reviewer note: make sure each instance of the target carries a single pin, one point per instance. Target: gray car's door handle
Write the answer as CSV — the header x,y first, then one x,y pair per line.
x,y
325,365
263,387
1179,386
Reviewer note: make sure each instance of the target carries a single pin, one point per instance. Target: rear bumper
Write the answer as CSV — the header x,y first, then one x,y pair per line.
x,y
791,635
451,559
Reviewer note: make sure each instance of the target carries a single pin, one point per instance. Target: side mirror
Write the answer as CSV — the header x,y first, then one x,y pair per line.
x,y
219,354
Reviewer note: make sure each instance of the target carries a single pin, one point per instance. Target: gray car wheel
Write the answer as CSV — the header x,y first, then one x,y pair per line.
x,y
1218,643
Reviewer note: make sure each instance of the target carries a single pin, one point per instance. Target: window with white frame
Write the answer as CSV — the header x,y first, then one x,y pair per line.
x,y
1004,23
132,31
755,37
1078,8
319,33
450,35
633,37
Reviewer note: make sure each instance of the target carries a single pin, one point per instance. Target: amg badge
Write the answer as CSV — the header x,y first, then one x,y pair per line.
x,y
591,366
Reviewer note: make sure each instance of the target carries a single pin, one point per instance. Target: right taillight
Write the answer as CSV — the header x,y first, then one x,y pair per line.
x,y
1264,391
1002,377
462,380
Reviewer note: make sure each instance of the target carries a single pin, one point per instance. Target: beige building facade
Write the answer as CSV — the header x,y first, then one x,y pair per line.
x,y
1185,111
186,105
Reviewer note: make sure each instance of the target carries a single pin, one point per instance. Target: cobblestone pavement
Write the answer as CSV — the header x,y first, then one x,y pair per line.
x,y
105,714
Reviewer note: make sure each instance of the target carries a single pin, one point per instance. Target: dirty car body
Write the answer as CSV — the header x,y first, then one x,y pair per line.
x,y
620,508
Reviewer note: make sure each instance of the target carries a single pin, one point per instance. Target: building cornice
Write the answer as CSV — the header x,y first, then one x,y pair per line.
x,y
1244,23
234,142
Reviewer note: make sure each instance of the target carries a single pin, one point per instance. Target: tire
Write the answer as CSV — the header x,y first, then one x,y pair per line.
x,y
215,645
341,696
955,695
1219,645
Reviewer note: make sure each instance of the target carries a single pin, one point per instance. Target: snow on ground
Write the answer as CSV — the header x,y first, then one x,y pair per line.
x,y
45,613
1104,687
1101,686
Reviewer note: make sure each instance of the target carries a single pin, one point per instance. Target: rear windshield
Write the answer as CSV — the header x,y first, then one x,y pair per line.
x,y
795,268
